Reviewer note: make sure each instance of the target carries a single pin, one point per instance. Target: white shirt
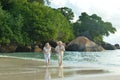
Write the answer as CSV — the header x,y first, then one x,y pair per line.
x,y
60,49
47,50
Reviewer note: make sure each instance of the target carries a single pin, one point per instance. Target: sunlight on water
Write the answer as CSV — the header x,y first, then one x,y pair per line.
x,y
106,57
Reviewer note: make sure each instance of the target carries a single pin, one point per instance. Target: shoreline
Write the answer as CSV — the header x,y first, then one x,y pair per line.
x,y
24,69
23,58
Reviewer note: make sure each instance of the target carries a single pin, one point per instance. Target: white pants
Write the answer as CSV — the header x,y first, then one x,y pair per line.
x,y
47,57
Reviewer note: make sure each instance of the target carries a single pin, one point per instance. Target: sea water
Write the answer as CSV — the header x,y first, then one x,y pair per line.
x,y
109,59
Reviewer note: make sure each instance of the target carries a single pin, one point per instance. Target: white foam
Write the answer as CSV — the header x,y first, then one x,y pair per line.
x,y
22,58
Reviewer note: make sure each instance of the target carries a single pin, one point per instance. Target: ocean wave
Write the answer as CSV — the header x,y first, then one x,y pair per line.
x,y
25,58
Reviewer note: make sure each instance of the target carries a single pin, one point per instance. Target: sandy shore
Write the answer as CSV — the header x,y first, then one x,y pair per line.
x,y
20,69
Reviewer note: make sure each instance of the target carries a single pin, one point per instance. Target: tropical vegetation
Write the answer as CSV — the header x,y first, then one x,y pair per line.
x,y
26,22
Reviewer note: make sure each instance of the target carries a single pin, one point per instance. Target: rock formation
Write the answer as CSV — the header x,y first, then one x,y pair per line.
x,y
83,44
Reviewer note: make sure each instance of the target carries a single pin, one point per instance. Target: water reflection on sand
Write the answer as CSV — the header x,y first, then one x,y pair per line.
x,y
48,72
60,72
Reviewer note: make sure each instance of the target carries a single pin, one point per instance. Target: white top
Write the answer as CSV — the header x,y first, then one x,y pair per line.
x,y
60,49
47,50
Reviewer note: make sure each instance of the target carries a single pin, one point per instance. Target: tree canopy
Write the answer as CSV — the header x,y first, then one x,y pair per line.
x,y
93,27
67,12
28,22
31,22
10,27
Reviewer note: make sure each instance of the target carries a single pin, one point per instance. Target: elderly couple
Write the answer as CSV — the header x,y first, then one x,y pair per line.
x,y
59,51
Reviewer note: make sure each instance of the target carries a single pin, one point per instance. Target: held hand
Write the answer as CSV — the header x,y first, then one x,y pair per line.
x,y
61,49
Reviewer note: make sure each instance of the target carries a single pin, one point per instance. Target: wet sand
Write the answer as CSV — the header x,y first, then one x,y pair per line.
x,y
20,69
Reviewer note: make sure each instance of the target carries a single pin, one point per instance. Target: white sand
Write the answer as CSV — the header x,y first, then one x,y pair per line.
x,y
19,69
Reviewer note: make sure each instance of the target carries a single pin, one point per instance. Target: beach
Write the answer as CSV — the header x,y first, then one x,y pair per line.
x,y
24,69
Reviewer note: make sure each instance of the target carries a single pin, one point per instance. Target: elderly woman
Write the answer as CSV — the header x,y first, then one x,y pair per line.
x,y
60,52
47,53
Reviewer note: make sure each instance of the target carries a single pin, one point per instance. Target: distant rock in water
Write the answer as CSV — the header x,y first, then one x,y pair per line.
x,y
117,46
108,46
83,44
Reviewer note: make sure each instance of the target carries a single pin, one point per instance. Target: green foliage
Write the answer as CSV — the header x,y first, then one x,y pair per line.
x,y
5,30
76,28
10,28
95,27
8,4
40,1
27,23
67,12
